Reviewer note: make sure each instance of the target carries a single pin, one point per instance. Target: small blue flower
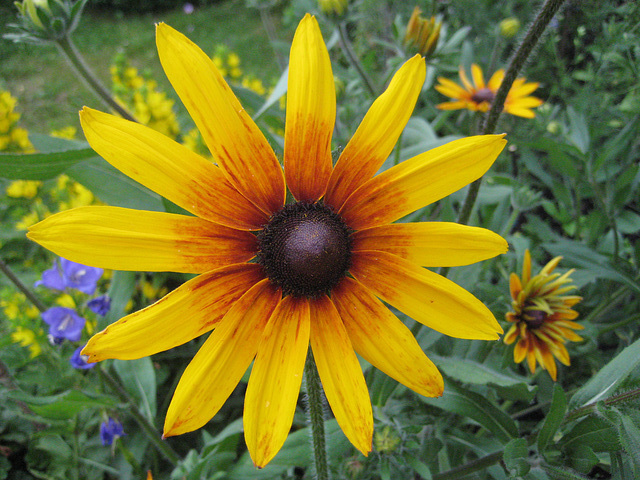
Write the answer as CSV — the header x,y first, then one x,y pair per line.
x,y
80,361
64,323
100,305
68,274
110,430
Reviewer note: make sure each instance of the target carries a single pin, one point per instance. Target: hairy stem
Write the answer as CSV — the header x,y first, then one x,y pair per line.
x,y
315,415
21,286
71,54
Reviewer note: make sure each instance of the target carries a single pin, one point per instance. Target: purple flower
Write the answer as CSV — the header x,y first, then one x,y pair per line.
x,y
188,8
110,430
80,361
68,274
100,305
64,323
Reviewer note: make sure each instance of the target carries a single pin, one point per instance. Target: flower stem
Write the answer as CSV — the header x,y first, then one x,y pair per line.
x,y
519,58
149,429
315,415
71,54
21,286
345,43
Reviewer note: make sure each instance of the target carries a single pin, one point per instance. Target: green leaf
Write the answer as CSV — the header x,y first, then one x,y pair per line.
x,y
296,451
121,288
515,457
113,187
63,406
603,384
562,473
381,388
629,435
582,458
41,166
473,405
469,371
553,419
578,130
418,466
139,379
595,432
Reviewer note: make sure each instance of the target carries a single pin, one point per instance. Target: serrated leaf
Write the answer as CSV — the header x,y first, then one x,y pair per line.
x,y
554,418
473,405
595,432
582,458
603,384
629,435
562,473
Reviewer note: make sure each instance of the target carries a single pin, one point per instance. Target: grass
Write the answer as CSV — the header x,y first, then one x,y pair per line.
x,y
50,95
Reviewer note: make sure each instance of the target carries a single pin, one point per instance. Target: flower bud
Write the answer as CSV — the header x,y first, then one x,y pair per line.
x,y
509,27
333,7
43,21
422,34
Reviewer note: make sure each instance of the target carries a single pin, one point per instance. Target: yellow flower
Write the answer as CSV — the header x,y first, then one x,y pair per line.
x,y
23,188
12,137
542,316
422,34
333,7
68,132
275,278
477,96
27,338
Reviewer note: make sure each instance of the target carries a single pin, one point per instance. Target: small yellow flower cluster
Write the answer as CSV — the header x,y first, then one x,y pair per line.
x,y
333,7
23,188
12,138
21,315
149,105
227,62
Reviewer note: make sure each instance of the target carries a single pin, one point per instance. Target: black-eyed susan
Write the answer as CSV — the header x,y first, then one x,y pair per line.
x,y
478,95
275,278
542,316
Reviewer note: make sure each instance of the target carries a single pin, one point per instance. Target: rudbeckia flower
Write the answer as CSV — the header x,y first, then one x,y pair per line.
x,y
542,316
478,95
276,277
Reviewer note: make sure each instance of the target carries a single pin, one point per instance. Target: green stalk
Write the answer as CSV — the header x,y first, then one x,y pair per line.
x,y
345,43
21,286
315,415
519,58
72,55
138,416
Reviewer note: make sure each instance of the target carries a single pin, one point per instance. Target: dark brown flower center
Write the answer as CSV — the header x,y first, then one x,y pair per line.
x,y
305,249
535,318
483,95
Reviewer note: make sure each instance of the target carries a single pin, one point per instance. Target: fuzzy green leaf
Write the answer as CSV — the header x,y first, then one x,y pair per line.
x,y
553,419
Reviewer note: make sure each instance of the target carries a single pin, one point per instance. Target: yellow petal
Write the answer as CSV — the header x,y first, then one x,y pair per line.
x,y
274,385
514,285
527,102
511,335
526,267
432,244
124,239
311,114
192,309
478,78
421,180
523,90
169,169
465,80
221,362
520,351
520,112
450,88
496,80
235,141
383,340
378,133
341,374
456,105
425,296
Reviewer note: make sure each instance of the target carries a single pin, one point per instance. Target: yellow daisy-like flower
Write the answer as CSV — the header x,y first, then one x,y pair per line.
x,y
478,95
275,278
542,316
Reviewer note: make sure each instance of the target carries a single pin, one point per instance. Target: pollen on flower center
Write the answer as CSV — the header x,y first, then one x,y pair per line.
x,y
305,249
483,95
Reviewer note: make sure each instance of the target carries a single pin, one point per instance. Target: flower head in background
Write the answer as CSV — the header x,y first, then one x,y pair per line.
x,y
64,323
542,316
477,96
67,274
422,34
333,7
100,305
509,27
80,361
275,278
110,431
12,137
